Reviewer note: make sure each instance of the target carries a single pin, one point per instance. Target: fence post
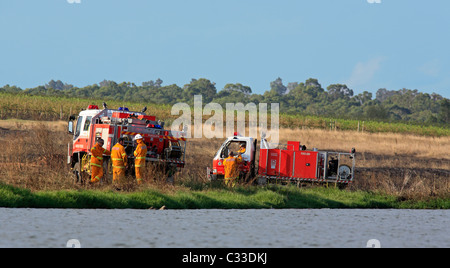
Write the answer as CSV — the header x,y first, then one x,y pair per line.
x,y
61,113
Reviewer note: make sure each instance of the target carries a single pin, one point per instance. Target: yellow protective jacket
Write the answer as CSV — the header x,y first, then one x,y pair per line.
x,y
97,153
119,156
140,153
231,165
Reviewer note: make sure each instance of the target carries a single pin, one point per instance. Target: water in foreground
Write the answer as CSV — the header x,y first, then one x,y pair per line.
x,y
263,228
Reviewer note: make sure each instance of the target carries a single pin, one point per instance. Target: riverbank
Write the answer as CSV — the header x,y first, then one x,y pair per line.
x,y
239,198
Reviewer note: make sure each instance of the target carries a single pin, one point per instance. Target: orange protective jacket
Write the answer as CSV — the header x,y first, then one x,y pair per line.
x,y
119,156
97,153
140,153
231,165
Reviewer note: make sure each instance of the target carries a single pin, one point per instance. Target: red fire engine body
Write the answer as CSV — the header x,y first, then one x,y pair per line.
x,y
286,163
164,147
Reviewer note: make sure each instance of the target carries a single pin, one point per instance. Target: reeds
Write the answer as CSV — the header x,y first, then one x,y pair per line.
x,y
409,167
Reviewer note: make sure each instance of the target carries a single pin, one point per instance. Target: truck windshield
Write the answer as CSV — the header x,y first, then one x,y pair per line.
x,y
87,123
78,130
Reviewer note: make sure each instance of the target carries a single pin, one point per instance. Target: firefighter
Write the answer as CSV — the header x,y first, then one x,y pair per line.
x,y
242,148
119,161
231,165
97,153
139,154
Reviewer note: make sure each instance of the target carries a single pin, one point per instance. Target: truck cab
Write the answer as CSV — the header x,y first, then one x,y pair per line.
x,y
247,145
82,131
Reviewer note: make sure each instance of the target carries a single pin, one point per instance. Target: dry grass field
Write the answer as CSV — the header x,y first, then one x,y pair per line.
x,y
404,165
33,156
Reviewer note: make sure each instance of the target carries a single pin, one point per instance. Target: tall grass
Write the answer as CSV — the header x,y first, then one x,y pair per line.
x,y
402,163
408,167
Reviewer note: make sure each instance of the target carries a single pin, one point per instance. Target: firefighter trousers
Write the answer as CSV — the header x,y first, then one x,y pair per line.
x,y
231,182
140,171
97,174
118,174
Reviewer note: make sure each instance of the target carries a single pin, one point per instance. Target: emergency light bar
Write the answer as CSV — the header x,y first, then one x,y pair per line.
x,y
154,126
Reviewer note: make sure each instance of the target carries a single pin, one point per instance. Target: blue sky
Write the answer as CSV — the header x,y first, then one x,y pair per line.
x,y
394,44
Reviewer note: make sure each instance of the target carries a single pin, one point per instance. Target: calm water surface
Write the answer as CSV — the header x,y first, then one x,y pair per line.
x,y
224,228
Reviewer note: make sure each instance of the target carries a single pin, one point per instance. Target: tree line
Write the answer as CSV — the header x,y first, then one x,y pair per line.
x,y
306,98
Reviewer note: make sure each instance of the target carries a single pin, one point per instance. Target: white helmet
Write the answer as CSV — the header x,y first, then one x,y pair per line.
x,y
138,137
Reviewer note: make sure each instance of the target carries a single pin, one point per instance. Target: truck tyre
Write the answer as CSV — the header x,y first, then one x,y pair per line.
x,y
77,173
80,176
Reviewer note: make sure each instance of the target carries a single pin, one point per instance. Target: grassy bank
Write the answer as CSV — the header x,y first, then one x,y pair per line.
x,y
239,198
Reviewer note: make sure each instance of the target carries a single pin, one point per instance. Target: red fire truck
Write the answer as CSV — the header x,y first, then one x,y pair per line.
x,y
290,163
165,148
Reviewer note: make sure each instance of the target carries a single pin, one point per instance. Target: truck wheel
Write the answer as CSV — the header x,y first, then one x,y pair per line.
x,y
80,176
261,181
77,173
107,168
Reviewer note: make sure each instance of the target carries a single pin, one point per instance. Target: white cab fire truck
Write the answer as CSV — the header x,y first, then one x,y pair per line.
x,y
166,148
290,163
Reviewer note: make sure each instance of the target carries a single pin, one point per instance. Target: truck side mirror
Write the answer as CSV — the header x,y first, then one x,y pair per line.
x,y
70,127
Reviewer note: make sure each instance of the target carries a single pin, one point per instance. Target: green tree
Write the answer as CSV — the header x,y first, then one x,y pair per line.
x,y
238,87
339,91
59,85
151,83
202,87
363,98
444,112
278,87
376,111
10,89
307,97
